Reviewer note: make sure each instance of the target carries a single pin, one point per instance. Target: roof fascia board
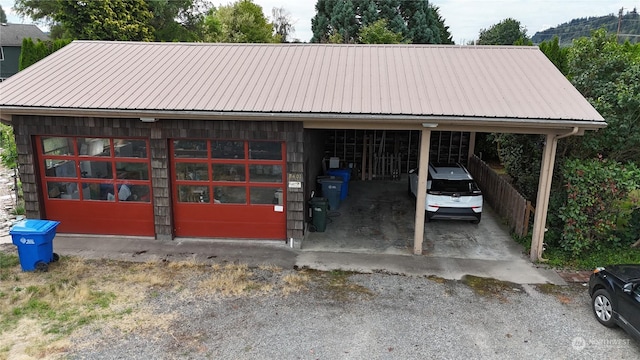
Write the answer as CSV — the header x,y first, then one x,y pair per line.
x,y
326,121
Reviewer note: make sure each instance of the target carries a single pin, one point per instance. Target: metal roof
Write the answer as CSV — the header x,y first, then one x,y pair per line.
x,y
300,79
12,34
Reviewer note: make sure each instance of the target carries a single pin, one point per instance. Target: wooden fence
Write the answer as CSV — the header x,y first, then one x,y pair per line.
x,y
502,196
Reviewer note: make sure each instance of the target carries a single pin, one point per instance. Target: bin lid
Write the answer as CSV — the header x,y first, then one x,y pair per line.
x,y
32,226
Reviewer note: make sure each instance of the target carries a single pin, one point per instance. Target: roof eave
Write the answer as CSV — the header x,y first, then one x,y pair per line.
x,y
327,120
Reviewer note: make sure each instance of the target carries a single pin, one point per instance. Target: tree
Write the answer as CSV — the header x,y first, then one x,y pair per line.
x,y
3,16
507,32
178,20
94,20
282,24
417,20
32,52
378,33
240,22
558,55
608,75
165,20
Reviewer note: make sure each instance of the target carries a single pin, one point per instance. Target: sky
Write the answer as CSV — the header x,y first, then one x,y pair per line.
x,y
465,18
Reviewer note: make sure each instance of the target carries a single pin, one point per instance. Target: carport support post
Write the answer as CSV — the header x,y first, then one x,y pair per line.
x,y
472,145
542,203
421,192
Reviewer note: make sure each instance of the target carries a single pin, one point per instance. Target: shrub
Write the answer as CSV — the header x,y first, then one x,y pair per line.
x,y
600,203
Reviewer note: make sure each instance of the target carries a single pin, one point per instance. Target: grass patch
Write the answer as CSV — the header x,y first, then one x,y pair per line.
x,y
106,294
338,285
8,260
592,259
489,287
564,293
437,279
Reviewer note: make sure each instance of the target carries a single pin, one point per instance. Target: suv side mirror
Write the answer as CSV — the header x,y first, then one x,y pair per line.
x,y
628,288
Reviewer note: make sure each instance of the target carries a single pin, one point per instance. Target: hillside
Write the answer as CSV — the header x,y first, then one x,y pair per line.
x,y
578,28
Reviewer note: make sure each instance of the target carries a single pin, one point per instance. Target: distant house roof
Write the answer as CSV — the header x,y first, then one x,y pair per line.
x,y
12,34
298,80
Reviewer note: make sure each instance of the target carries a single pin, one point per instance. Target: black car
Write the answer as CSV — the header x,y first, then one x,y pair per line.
x,y
615,297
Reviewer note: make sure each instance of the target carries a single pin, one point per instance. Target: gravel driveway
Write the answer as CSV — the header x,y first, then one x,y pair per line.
x,y
378,316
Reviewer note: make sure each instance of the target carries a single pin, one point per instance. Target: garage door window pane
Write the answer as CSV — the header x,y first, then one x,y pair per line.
x,y
192,171
265,173
193,194
230,195
130,148
139,193
62,190
98,191
261,195
227,149
60,168
265,150
228,172
94,147
57,146
96,169
194,149
132,171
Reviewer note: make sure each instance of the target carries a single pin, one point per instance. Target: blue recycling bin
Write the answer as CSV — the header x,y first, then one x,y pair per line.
x,y
331,190
345,175
34,239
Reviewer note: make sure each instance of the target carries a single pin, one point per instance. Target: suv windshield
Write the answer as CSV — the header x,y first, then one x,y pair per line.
x,y
462,187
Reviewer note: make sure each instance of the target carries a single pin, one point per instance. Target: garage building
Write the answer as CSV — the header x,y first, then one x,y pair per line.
x,y
226,140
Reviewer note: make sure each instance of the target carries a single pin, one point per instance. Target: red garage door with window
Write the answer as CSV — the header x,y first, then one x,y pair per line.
x,y
97,185
229,188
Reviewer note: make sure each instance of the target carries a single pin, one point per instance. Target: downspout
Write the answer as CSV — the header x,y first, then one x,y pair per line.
x,y
573,132
540,238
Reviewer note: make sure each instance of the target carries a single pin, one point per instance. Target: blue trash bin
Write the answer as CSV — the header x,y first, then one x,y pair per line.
x,y
34,239
331,189
345,174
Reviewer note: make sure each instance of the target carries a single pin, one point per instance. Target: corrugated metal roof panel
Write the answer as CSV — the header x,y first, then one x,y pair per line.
x,y
431,80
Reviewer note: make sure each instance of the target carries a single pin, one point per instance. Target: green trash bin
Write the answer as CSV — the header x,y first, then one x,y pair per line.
x,y
319,208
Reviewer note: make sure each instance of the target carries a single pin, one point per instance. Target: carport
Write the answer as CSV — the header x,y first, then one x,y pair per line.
x,y
492,89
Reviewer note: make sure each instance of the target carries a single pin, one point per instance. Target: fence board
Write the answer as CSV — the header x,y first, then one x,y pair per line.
x,y
501,196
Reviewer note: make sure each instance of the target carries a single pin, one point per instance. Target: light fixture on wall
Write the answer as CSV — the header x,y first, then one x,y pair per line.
x,y
429,125
148,119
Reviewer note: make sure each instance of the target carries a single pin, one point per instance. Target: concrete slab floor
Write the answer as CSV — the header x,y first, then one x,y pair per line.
x,y
379,217
377,221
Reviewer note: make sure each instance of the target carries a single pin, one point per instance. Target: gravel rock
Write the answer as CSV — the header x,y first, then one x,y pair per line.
x,y
382,317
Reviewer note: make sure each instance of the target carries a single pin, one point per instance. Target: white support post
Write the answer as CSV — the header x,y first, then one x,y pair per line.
x,y
472,145
542,203
421,192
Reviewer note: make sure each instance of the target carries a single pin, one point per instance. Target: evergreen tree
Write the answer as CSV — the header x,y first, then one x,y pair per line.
x,y
3,16
370,13
343,21
417,20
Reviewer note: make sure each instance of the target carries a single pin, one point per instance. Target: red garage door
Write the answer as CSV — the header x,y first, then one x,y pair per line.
x,y
229,189
96,185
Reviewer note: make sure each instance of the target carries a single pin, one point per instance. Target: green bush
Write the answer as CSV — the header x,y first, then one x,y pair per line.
x,y
9,155
600,204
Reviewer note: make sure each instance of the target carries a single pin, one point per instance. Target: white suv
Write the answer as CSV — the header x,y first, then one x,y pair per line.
x,y
451,193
